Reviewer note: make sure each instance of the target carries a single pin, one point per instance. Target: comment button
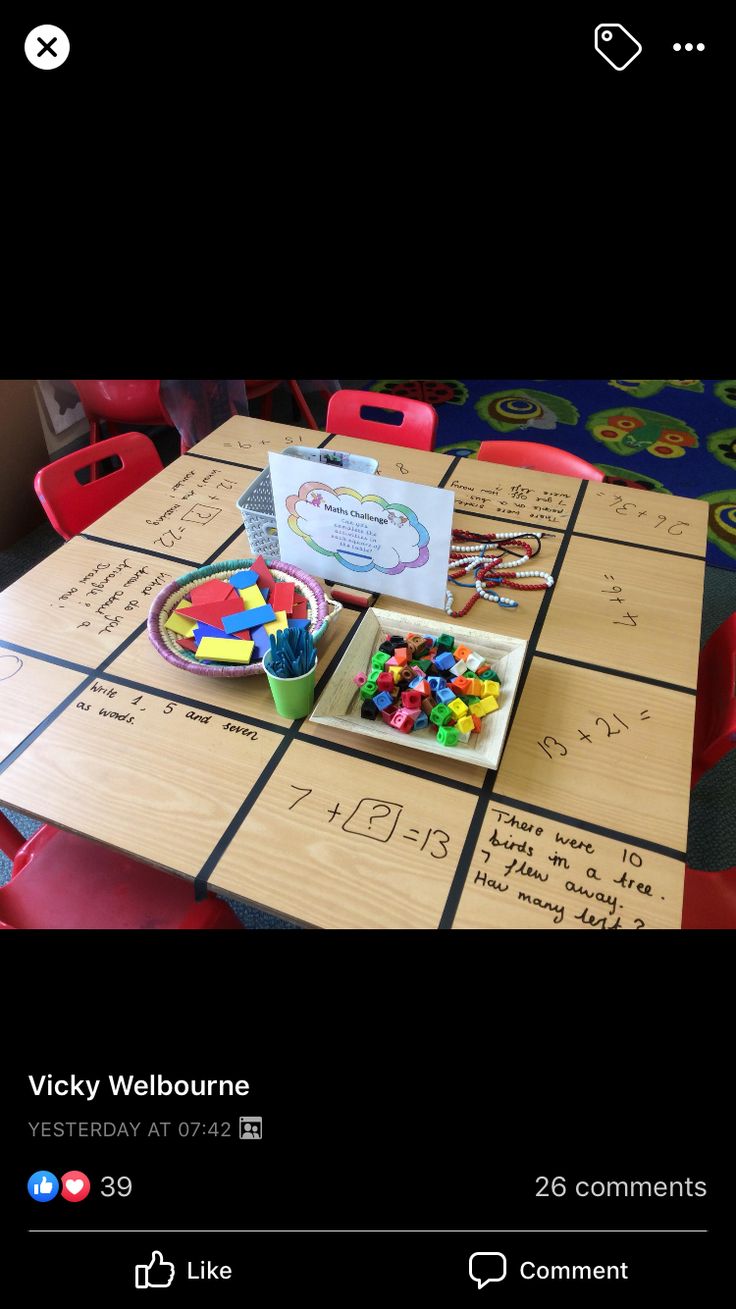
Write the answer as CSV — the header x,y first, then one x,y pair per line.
x,y
487,1266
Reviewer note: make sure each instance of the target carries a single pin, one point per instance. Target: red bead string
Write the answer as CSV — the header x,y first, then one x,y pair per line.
x,y
487,572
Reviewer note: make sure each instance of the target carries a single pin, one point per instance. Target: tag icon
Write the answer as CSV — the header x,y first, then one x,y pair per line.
x,y
617,45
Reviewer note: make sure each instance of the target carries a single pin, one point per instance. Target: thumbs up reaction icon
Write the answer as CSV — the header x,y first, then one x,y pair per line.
x,y
158,1273
43,1186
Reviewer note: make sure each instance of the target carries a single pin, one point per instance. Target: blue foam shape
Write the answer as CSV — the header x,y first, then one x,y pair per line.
x,y
248,619
261,641
420,721
206,629
298,622
243,579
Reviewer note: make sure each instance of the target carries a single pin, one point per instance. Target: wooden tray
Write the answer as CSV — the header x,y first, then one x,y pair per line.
x,y
339,704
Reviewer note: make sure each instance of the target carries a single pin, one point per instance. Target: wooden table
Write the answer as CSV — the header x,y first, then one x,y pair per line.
x,y
585,822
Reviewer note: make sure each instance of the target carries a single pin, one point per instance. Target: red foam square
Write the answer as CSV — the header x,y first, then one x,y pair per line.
x,y
210,592
282,598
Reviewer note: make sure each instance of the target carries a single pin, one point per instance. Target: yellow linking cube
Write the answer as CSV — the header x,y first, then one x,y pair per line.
x,y
457,708
490,688
486,706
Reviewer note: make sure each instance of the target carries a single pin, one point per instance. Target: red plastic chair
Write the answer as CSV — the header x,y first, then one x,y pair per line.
x,y
123,402
71,506
255,387
64,881
417,429
710,899
542,458
715,705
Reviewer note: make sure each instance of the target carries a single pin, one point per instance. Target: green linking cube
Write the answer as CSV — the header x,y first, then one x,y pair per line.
x,y
447,735
440,715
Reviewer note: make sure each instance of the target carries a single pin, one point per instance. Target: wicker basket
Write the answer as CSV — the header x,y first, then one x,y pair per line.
x,y
256,502
321,609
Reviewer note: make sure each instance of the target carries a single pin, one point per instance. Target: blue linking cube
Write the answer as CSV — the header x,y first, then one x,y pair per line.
x,y
420,721
383,701
445,660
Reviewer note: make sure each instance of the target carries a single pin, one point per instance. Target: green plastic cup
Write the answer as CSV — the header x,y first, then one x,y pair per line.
x,y
292,696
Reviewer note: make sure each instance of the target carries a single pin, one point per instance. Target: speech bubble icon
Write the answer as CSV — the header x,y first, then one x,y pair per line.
x,y
486,1266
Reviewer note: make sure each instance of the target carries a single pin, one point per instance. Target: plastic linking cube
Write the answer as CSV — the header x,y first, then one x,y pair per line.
x,y
423,683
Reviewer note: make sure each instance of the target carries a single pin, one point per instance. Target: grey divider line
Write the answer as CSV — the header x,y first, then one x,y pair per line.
x,y
616,672
597,828
466,854
637,545
215,459
138,549
47,658
289,734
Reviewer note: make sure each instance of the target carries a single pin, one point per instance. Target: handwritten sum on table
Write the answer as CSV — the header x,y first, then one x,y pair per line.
x,y
532,872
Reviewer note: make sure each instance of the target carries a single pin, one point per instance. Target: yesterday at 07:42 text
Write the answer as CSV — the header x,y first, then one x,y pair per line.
x,y
105,1129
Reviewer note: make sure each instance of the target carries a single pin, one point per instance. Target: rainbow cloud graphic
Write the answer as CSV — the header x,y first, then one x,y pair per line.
x,y
395,539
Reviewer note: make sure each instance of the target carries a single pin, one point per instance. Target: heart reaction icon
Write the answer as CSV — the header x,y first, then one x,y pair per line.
x,y
75,1186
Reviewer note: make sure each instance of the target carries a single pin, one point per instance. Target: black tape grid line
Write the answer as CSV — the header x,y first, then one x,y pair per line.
x,y
457,885
191,703
448,474
639,545
289,734
64,704
137,549
513,522
45,658
597,829
411,770
33,735
215,459
99,669
616,672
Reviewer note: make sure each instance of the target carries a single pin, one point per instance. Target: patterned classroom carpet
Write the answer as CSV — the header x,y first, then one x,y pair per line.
x,y
620,426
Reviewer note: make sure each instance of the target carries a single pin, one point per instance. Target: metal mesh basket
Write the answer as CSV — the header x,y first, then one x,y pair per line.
x,y
256,502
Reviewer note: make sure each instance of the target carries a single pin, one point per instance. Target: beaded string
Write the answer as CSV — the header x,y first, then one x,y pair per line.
x,y
490,570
